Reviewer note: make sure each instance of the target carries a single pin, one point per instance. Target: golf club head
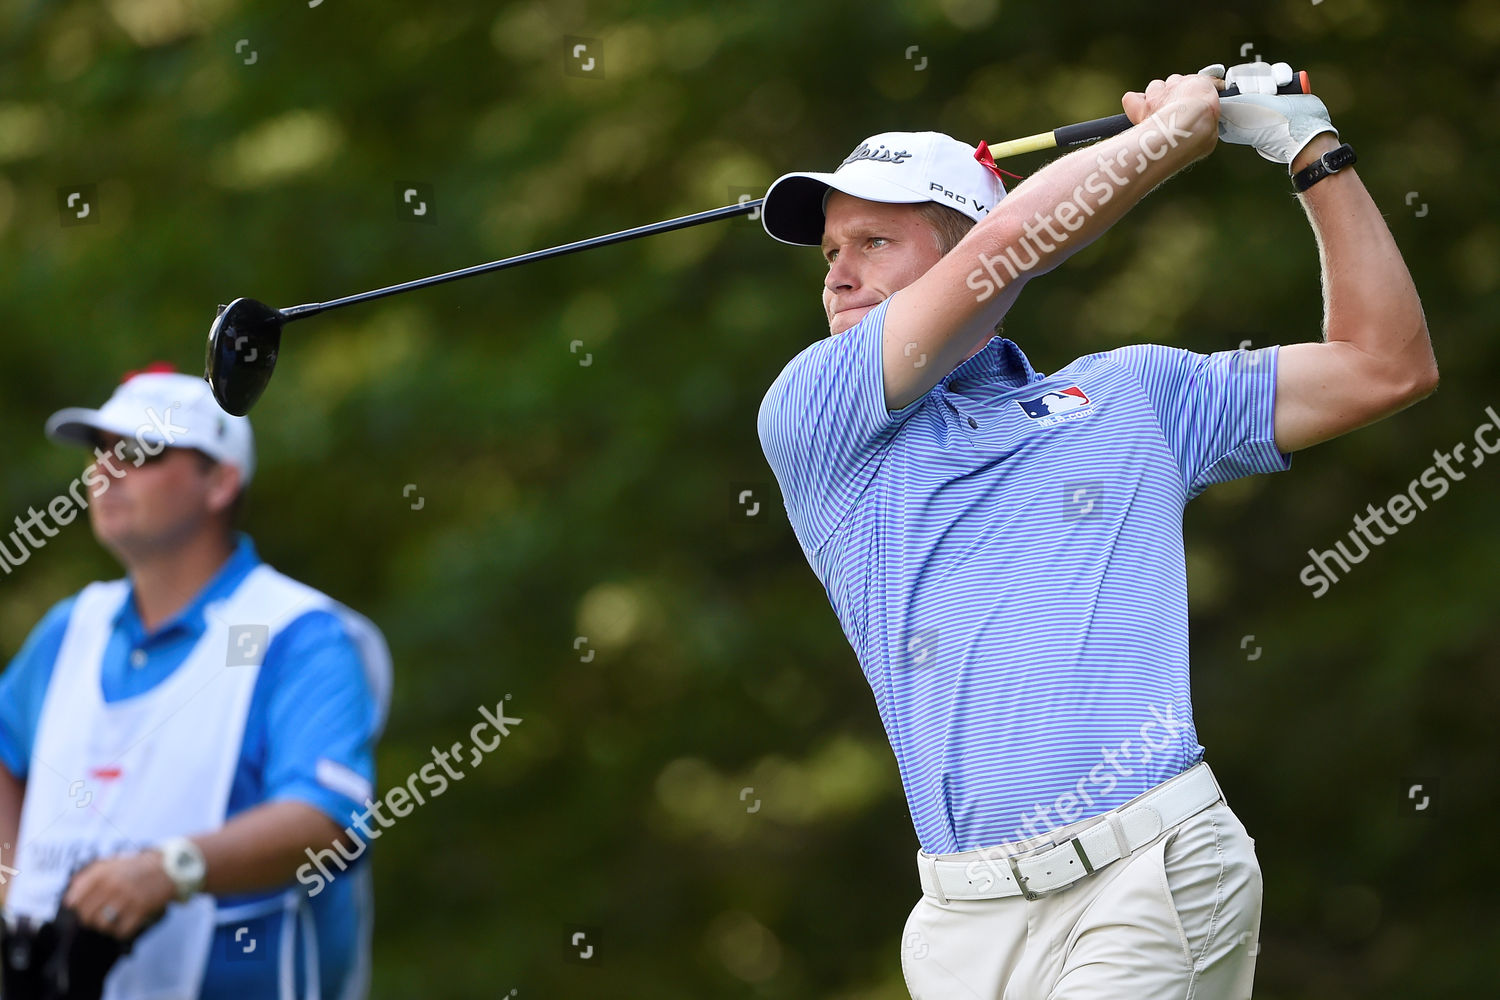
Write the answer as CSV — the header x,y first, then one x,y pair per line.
x,y
242,348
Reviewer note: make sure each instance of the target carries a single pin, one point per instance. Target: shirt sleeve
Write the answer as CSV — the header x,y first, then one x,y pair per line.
x,y
23,688
1216,411
321,719
823,426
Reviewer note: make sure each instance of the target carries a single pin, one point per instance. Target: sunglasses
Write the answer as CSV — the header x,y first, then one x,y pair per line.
x,y
133,451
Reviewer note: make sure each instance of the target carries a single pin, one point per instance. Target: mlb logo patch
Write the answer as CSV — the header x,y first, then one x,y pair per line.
x,y
1056,406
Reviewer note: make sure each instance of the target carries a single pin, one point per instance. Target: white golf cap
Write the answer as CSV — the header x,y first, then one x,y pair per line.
x,y
892,167
160,406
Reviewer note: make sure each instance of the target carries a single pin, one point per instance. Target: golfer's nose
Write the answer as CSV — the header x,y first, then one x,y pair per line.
x,y
841,276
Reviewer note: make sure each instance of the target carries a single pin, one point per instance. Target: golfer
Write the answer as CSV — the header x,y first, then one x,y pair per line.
x,y
1003,547
172,743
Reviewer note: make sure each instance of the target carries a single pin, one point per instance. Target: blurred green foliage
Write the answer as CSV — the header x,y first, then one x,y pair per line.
x,y
564,500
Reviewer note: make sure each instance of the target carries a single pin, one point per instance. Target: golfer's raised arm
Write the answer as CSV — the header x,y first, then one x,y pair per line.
x,y
953,308
1376,358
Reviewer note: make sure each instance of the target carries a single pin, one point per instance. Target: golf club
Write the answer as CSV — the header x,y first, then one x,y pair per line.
x,y
245,338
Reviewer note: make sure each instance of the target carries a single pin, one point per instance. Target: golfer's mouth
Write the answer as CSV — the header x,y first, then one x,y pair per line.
x,y
860,309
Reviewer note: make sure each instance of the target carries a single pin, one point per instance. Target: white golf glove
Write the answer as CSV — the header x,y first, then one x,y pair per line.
x,y
1277,125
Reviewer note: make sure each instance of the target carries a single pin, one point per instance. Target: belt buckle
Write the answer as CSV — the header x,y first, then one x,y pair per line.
x,y
1015,873
1015,869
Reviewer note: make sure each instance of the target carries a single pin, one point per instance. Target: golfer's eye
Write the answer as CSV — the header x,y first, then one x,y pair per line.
x,y
878,241
829,255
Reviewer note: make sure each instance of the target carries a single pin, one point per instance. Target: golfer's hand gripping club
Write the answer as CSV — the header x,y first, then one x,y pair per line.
x,y
1277,122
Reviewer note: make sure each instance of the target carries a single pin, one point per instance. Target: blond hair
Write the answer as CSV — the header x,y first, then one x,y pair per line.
x,y
948,225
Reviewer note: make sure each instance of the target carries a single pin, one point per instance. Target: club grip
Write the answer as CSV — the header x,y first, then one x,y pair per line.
x,y
1103,128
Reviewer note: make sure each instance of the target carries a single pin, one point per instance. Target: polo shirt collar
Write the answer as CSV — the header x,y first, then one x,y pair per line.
x,y
191,618
999,358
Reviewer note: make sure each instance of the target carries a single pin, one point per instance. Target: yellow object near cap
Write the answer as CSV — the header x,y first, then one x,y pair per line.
x,y
1028,144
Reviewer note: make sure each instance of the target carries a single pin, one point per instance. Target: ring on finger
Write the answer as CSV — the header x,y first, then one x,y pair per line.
x,y
109,914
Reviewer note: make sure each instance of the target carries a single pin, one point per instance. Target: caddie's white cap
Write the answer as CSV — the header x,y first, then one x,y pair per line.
x,y
892,167
160,406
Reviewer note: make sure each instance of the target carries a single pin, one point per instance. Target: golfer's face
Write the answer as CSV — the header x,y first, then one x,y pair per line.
x,y
151,503
872,250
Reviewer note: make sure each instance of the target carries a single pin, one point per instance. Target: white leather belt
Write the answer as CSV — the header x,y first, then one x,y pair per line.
x,y
1117,834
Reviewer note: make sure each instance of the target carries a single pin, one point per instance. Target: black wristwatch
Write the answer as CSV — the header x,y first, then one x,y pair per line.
x,y
1330,162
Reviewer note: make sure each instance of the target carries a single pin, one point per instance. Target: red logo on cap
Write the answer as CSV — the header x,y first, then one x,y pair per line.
x,y
154,368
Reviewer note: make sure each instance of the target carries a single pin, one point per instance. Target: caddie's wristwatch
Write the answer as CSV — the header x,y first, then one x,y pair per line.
x,y
1330,162
184,865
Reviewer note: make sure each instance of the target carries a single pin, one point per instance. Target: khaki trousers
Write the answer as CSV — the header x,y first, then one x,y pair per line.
x,y
1178,918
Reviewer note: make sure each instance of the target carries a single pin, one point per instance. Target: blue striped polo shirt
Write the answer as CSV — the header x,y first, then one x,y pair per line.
x,y
1005,556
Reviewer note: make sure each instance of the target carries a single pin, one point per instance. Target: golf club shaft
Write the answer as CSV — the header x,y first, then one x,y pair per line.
x,y
712,215
1068,135
1103,128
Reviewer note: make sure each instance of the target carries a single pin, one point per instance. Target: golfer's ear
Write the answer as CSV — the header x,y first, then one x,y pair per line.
x,y
224,487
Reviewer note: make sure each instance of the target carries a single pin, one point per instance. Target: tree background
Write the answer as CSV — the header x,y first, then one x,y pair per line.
x,y
558,521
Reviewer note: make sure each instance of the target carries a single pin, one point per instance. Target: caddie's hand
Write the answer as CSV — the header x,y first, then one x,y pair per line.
x,y
1188,103
121,895
1279,126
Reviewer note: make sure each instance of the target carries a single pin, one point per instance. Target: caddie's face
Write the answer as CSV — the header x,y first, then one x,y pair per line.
x,y
151,502
872,249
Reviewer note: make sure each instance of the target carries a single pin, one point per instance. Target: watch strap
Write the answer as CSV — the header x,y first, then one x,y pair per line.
x,y
1329,163
183,862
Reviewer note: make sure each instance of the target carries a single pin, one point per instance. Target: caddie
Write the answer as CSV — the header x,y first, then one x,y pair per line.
x,y
173,742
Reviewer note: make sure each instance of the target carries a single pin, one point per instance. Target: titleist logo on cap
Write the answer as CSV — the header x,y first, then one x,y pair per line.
x,y
864,152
